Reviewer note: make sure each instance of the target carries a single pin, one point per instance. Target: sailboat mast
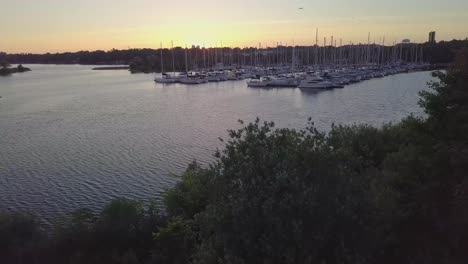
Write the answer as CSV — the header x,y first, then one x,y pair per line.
x,y
316,46
162,64
324,60
383,50
204,61
421,57
277,54
340,52
333,52
293,59
368,49
186,63
173,60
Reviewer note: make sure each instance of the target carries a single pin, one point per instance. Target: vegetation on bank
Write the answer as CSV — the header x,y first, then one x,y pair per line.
x,y
358,194
149,60
6,70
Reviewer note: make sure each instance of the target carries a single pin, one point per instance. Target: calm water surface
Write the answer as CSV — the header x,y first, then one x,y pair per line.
x,y
71,137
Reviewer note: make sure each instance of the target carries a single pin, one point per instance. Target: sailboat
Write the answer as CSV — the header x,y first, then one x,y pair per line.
x,y
190,78
165,78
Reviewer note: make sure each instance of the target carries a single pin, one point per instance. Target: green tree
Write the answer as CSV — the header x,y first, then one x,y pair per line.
x,y
192,194
285,196
430,176
21,239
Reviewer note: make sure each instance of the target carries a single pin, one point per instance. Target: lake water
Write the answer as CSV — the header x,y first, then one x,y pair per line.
x,y
71,137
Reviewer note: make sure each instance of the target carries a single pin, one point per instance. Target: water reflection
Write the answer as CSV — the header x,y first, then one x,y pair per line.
x,y
72,137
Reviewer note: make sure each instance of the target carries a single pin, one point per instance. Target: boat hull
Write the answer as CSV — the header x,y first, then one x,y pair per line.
x,y
159,80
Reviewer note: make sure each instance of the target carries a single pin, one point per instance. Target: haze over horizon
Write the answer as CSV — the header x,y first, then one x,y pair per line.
x,y
30,26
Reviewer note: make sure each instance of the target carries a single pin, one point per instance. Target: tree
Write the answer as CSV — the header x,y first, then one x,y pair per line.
x,y
285,196
430,175
21,239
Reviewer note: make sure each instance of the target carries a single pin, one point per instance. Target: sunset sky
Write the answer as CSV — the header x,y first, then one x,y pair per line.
x,y
41,26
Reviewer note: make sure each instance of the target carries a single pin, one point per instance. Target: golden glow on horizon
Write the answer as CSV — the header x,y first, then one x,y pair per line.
x,y
104,25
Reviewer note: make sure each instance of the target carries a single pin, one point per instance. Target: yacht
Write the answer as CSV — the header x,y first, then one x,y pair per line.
x,y
166,79
314,78
283,82
212,77
262,82
312,85
231,76
192,80
353,78
338,82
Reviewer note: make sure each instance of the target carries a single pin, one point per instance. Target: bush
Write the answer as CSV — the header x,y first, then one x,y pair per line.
x,y
21,239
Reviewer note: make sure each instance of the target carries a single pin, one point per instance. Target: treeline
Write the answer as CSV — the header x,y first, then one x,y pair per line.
x,y
444,51
149,60
357,194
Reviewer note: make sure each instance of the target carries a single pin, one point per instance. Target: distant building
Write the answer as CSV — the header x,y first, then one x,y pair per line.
x,y
432,37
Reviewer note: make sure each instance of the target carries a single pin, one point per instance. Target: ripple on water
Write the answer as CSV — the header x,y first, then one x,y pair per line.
x,y
80,138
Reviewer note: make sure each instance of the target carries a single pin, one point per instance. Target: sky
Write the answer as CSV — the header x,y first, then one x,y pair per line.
x,y
40,26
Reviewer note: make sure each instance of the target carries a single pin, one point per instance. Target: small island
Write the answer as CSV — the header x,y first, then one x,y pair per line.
x,y
7,70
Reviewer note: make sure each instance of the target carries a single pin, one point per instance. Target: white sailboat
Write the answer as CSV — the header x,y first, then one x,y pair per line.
x,y
318,86
165,78
262,82
190,78
315,83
